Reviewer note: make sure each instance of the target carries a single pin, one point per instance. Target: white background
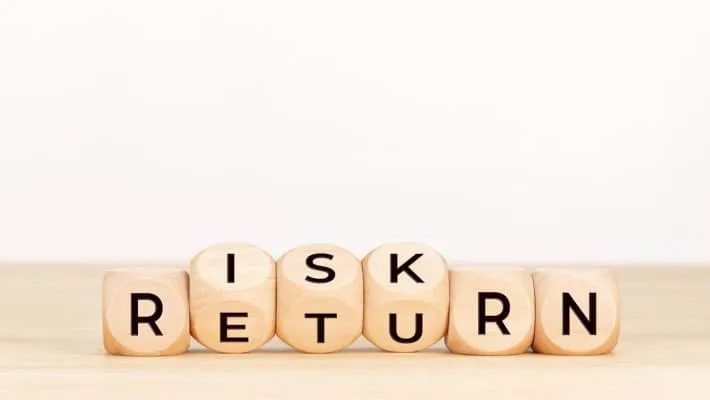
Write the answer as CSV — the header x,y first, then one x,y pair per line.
x,y
492,130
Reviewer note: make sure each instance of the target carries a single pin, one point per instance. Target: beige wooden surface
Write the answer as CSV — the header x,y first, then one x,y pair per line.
x,y
50,347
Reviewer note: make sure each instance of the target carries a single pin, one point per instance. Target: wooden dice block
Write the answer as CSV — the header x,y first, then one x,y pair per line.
x,y
232,297
577,311
145,312
319,298
491,312
406,297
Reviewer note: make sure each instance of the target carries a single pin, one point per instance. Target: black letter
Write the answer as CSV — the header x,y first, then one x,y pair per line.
x,y
224,326
418,329
230,268
396,270
320,327
590,324
498,319
150,319
330,273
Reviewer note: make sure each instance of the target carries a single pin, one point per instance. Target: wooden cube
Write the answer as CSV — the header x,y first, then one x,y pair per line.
x,y
577,311
320,298
145,312
491,312
406,297
233,297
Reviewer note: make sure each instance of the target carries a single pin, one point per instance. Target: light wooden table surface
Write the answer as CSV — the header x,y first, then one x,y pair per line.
x,y
50,347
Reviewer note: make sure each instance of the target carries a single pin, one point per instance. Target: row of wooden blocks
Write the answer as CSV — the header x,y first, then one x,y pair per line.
x,y
320,298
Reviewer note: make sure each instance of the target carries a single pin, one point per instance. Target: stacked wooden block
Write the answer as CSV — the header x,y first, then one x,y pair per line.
x,y
320,298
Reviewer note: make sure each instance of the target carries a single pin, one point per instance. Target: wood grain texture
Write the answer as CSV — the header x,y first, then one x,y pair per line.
x,y
50,347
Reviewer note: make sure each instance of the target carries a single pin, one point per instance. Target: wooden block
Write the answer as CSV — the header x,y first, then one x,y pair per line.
x,y
406,297
491,312
320,298
145,312
577,311
233,297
